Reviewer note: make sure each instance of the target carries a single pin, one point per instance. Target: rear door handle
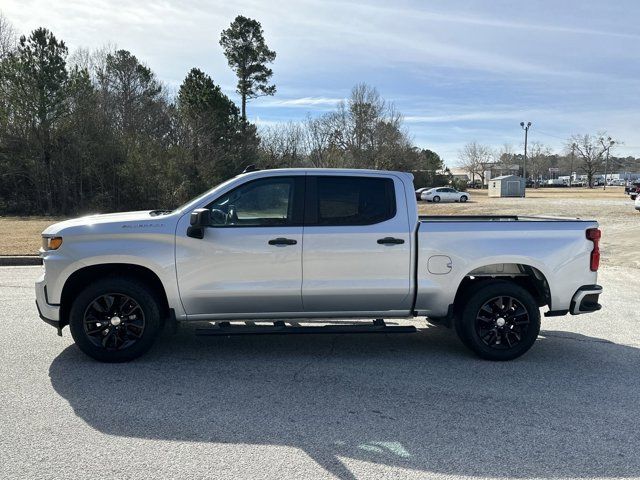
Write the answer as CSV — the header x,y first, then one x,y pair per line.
x,y
390,241
282,241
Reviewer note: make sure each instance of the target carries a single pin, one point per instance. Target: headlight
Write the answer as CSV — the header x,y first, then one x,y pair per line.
x,y
51,243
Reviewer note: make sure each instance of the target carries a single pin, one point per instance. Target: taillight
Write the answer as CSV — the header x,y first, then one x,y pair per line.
x,y
594,235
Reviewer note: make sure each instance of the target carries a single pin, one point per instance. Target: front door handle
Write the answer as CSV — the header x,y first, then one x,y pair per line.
x,y
390,241
282,241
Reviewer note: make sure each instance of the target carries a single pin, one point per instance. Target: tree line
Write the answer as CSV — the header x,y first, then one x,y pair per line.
x,y
98,131
584,154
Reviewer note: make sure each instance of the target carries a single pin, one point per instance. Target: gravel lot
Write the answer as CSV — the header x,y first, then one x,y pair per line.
x,y
307,407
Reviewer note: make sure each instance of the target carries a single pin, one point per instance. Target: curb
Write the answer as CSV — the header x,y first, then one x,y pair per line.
x,y
19,260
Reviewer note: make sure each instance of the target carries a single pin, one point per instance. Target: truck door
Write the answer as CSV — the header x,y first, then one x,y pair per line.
x,y
357,245
250,259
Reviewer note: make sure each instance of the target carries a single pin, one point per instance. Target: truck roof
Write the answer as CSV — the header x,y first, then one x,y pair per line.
x,y
350,171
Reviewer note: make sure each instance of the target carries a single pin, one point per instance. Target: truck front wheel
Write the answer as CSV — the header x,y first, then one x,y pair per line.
x,y
115,319
499,321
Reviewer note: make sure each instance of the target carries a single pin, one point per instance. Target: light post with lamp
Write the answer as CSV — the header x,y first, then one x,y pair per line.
x,y
606,144
525,127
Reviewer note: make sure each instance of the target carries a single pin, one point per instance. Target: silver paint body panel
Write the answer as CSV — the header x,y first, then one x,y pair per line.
x,y
331,272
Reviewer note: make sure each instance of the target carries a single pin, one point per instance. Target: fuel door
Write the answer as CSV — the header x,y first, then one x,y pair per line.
x,y
439,264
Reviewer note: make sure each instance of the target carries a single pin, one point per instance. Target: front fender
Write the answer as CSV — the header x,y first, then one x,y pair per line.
x,y
156,254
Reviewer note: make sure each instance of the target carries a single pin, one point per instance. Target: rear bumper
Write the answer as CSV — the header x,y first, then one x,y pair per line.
x,y
585,300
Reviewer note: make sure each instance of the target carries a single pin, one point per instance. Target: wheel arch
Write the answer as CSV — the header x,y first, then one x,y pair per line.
x,y
86,275
527,276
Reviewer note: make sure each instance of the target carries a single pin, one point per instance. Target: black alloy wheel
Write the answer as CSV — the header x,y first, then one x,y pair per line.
x,y
498,319
502,322
114,321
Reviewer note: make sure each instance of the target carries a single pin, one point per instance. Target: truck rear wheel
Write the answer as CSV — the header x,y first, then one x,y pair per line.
x,y
499,321
115,319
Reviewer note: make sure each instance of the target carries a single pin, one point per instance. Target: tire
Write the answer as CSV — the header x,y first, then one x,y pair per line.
x,y
436,199
99,306
499,321
464,198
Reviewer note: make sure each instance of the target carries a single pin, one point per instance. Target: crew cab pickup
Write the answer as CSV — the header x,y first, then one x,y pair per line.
x,y
312,245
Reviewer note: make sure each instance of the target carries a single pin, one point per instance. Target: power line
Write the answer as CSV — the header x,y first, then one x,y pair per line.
x,y
550,135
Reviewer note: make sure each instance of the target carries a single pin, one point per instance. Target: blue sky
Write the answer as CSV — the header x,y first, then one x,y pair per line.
x,y
458,70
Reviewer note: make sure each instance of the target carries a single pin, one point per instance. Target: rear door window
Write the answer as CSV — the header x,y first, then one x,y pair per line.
x,y
347,200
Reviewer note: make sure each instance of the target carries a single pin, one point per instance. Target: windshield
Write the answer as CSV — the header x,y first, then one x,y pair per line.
x,y
196,200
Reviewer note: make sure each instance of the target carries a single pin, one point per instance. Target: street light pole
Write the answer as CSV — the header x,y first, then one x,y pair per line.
x,y
524,166
573,149
607,147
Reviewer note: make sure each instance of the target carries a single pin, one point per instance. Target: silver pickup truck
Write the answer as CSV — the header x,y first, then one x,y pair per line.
x,y
313,245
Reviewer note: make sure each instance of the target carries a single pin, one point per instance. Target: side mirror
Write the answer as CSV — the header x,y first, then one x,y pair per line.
x,y
199,219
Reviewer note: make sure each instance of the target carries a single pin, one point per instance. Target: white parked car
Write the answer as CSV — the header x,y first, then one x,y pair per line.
x,y
444,194
637,203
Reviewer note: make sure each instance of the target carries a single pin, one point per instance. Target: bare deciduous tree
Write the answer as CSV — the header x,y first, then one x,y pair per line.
x,y
505,159
539,160
318,134
476,159
283,145
365,128
8,37
589,152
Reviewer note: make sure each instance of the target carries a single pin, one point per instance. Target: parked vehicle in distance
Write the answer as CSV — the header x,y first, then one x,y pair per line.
x,y
310,245
555,182
419,192
444,194
632,187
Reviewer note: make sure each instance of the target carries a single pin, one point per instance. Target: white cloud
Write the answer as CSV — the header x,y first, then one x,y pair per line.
x,y
303,102
481,115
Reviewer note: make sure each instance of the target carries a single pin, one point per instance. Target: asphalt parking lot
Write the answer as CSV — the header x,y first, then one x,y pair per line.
x,y
350,406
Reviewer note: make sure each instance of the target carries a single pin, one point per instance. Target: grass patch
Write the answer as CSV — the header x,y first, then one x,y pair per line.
x,y
21,235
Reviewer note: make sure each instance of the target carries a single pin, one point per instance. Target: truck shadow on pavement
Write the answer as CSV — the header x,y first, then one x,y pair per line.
x,y
569,408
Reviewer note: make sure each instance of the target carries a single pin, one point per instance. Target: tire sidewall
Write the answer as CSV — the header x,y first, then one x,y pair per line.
x,y
465,325
138,292
436,199
464,198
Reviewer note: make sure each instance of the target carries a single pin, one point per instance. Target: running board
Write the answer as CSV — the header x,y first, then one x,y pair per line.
x,y
280,328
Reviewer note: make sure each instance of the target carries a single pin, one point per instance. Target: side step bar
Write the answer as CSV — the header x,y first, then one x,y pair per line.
x,y
280,328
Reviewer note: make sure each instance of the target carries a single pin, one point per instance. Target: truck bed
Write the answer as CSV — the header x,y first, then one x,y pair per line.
x,y
452,247
496,218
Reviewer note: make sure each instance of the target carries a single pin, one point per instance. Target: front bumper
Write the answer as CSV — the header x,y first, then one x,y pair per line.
x,y
48,312
585,300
